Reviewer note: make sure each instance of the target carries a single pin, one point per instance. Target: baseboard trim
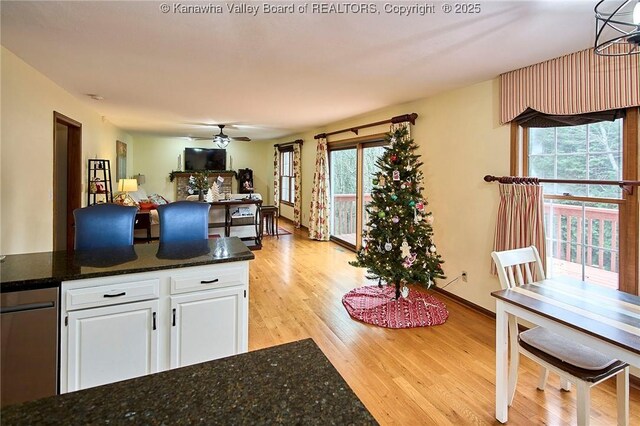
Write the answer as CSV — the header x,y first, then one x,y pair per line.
x,y
466,303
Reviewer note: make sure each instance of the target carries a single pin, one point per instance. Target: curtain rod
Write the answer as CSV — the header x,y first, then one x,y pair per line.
x,y
278,145
411,118
626,185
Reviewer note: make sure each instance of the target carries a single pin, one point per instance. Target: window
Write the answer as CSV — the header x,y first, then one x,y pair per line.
x,y
591,230
287,180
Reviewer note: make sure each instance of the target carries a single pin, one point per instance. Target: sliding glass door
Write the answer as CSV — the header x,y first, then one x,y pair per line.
x,y
342,164
352,167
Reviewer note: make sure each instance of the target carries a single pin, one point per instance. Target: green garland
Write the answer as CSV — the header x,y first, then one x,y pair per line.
x,y
173,173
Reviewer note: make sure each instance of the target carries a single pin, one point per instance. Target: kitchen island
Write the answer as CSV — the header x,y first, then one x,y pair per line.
x,y
119,313
287,384
48,269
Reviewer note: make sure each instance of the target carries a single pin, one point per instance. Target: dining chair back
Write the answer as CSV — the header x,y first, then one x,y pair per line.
x,y
573,362
104,226
184,221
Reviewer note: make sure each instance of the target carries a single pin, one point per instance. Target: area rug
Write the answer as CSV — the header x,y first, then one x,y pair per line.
x,y
282,231
375,305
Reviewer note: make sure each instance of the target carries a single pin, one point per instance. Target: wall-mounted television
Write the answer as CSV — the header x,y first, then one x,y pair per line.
x,y
205,159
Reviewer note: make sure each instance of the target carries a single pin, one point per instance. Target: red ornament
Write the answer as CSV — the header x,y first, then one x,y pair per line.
x,y
393,157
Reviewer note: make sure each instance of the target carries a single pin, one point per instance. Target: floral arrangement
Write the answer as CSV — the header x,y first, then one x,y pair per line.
x,y
198,182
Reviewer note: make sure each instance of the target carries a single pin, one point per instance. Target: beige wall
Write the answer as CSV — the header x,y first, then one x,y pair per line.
x,y
157,156
460,141
26,152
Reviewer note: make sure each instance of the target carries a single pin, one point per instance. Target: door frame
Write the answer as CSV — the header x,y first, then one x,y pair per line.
x,y
74,174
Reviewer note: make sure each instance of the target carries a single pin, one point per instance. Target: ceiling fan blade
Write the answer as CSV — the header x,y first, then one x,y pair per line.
x,y
200,138
241,138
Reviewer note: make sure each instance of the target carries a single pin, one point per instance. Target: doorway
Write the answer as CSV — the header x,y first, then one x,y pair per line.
x,y
67,178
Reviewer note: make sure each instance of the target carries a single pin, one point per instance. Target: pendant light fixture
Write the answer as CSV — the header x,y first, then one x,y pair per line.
x,y
617,28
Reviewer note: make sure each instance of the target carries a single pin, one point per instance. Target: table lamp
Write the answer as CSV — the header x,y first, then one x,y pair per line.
x,y
126,186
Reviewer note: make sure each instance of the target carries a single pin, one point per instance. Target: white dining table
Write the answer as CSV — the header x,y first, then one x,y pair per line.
x,y
603,319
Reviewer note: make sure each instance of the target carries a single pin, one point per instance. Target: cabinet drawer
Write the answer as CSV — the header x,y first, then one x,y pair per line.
x,y
112,294
216,277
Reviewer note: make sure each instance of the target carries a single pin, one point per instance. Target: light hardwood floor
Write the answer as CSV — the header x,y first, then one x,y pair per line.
x,y
422,376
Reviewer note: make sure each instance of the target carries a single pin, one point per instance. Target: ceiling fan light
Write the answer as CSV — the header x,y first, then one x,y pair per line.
x,y
221,141
636,14
617,28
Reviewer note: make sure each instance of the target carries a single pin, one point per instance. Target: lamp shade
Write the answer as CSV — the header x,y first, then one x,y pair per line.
x,y
127,185
141,179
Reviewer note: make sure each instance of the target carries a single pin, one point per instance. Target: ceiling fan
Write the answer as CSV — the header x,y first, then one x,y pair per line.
x,y
223,140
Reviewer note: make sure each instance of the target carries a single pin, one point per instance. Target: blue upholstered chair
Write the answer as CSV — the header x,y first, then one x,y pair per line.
x,y
104,225
183,221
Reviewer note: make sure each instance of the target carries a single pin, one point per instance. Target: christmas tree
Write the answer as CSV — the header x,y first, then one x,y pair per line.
x,y
397,247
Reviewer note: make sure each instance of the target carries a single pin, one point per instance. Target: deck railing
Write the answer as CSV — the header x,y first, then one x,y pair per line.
x,y
565,233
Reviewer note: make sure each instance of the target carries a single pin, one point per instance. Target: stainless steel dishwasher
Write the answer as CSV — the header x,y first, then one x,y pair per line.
x,y
29,350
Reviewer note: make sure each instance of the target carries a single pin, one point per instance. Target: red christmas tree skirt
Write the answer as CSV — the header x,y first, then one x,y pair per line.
x,y
375,305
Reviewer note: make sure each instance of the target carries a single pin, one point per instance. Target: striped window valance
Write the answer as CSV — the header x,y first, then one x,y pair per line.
x,y
578,83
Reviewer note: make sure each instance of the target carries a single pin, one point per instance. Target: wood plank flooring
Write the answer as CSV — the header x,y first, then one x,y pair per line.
x,y
441,375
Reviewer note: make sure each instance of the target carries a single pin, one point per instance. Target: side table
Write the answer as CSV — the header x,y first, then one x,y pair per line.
x,y
270,216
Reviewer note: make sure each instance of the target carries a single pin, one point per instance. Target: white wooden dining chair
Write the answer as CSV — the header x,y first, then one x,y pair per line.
x,y
573,362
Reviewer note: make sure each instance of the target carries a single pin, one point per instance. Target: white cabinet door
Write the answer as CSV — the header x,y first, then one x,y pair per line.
x,y
110,344
208,325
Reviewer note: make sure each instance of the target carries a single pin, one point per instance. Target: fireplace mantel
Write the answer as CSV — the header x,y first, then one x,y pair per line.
x,y
182,178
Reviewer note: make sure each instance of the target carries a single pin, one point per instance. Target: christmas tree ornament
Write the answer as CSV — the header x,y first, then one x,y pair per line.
x,y
405,249
403,186
417,218
381,215
408,168
395,219
388,246
420,206
405,291
432,249
396,175
393,158
393,140
412,203
375,181
394,197
430,219
382,181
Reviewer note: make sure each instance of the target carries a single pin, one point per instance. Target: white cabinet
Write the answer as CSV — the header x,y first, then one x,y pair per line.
x,y
122,326
112,343
207,325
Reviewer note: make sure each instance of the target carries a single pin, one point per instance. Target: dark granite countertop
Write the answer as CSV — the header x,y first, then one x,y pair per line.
x,y
48,269
287,384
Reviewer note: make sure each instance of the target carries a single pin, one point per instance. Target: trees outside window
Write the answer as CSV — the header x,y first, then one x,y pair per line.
x,y
287,179
591,230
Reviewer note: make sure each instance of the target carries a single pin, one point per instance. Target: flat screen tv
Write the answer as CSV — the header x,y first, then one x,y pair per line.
x,y
205,159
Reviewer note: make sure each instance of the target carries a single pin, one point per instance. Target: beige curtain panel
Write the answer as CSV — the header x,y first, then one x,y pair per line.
x,y
520,220
578,83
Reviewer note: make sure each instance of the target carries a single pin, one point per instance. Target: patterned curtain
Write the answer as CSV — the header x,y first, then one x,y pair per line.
x,y
520,220
276,177
573,84
319,216
297,187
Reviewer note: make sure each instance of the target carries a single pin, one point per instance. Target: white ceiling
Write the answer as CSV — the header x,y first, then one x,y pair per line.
x,y
276,73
